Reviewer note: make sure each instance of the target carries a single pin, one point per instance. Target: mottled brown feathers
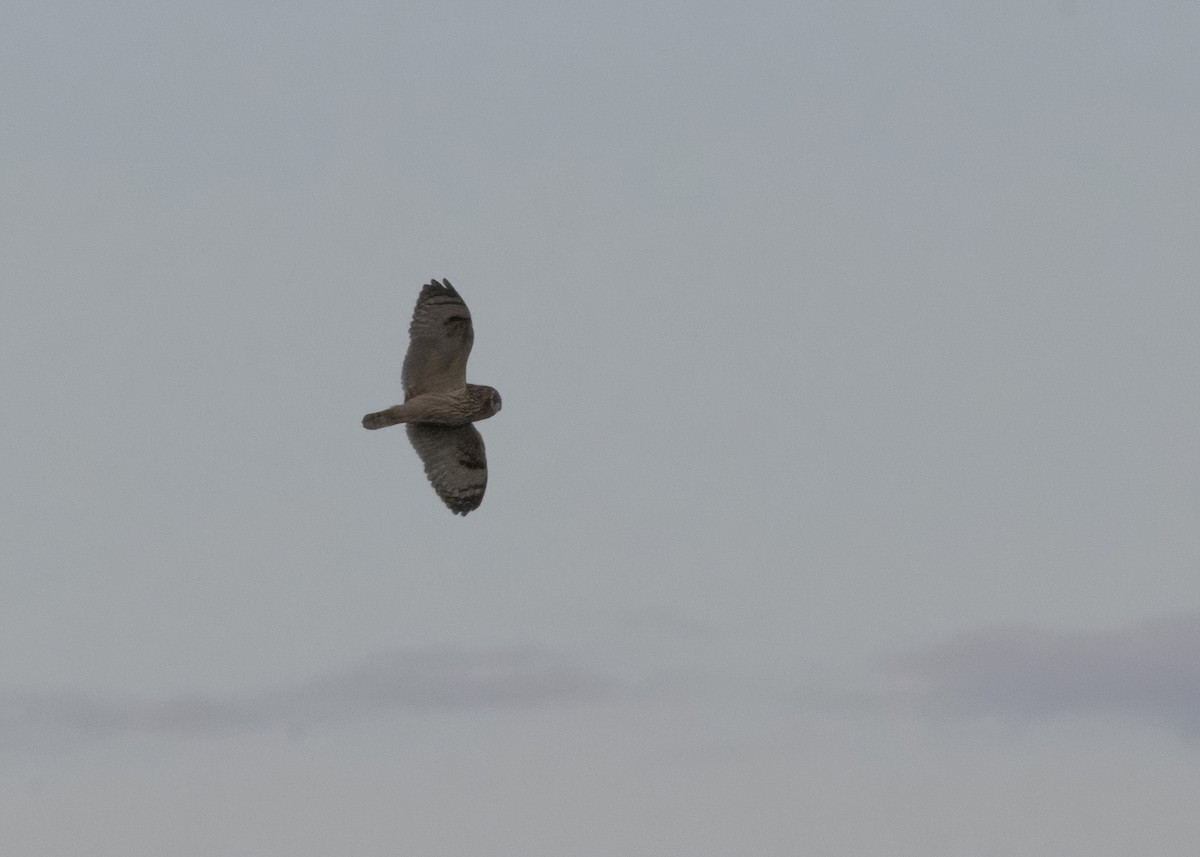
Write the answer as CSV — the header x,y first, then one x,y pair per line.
x,y
439,405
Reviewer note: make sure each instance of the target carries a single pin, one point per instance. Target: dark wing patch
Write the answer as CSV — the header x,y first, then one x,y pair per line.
x,y
455,462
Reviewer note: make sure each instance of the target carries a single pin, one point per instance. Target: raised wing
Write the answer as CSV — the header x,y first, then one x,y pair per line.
x,y
439,341
454,461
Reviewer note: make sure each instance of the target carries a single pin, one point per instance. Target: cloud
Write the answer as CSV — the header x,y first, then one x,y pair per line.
x,y
1150,670
443,679
386,682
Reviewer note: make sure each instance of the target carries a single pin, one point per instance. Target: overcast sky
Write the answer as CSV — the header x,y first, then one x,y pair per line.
x,y
845,497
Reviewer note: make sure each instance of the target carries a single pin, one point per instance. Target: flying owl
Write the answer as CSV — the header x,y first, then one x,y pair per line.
x,y
439,405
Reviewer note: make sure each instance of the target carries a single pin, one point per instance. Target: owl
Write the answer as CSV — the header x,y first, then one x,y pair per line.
x,y
439,405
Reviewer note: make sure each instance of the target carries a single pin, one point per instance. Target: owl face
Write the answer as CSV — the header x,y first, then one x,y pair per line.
x,y
491,402
485,401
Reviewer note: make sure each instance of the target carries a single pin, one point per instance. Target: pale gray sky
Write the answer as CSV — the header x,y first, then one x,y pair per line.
x,y
844,500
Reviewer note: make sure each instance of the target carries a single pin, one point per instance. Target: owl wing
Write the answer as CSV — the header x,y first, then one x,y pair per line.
x,y
439,341
454,461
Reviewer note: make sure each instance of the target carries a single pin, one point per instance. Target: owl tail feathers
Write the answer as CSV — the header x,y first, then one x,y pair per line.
x,y
382,419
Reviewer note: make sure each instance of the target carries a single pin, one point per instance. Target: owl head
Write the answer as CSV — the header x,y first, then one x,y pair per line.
x,y
485,401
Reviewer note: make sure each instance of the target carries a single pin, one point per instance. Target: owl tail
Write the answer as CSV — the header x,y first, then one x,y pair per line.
x,y
382,419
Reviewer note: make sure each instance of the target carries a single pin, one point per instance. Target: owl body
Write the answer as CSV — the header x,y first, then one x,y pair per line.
x,y
453,408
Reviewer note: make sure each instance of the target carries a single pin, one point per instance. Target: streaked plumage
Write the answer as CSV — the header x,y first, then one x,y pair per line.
x,y
439,405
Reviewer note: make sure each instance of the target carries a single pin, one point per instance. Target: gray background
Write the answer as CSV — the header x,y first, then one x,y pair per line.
x,y
844,500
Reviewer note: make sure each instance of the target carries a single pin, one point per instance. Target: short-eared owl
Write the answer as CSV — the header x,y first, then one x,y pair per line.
x,y
439,405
